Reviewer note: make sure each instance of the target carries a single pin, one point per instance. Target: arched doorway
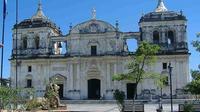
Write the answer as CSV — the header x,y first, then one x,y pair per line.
x,y
94,88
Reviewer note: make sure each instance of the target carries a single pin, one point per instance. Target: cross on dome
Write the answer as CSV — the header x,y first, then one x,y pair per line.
x,y
94,14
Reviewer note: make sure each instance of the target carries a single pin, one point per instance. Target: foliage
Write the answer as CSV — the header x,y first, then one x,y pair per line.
x,y
144,57
8,95
188,107
33,105
119,97
194,86
196,43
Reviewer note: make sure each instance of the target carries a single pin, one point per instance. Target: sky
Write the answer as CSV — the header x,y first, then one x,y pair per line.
x,y
127,12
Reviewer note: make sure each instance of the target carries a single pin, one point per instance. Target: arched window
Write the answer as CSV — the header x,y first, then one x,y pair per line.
x,y
24,42
156,37
170,37
37,42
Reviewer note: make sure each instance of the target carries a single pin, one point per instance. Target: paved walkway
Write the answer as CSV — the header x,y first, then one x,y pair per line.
x,y
114,108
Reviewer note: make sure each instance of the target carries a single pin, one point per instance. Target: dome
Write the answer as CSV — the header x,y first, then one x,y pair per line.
x,y
38,20
93,26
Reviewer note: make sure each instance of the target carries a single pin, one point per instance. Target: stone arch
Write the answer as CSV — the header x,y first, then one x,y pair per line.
x,y
58,79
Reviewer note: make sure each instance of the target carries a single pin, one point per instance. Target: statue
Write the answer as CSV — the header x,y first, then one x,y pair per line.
x,y
51,96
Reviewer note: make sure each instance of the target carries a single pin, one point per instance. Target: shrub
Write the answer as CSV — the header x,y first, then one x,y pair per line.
x,y
33,105
119,97
188,107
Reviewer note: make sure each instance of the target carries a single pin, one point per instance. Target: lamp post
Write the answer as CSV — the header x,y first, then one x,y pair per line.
x,y
170,75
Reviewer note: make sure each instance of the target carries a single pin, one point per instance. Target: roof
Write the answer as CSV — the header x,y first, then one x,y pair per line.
x,y
162,16
38,20
93,26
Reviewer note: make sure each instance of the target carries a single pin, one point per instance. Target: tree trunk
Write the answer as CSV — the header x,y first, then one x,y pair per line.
x,y
134,96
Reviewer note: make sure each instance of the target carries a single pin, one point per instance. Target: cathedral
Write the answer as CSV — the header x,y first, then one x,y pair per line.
x,y
83,62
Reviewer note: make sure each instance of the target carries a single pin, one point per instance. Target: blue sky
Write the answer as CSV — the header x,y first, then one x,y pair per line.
x,y
127,12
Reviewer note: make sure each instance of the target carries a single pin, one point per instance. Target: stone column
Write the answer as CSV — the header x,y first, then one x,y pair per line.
x,y
71,76
115,72
108,76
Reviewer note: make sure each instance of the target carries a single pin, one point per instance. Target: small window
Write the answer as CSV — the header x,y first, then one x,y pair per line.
x,y
29,68
29,83
93,50
164,66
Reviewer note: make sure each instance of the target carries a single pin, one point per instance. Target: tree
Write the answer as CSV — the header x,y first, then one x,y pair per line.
x,y
196,43
194,86
144,56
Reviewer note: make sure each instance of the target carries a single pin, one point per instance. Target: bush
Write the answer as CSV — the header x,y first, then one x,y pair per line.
x,y
8,96
119,97
33,105
188,107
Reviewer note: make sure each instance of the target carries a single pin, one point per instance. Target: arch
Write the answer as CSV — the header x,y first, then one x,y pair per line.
x,y
59,80
37,42
170,37
156,37
24,42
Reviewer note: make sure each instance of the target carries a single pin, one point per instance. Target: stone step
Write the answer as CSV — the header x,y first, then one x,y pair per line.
x,y
164,101
97,101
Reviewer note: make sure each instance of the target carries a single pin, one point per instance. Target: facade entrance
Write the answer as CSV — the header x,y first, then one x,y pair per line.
x,y
60,91
130,90
94,87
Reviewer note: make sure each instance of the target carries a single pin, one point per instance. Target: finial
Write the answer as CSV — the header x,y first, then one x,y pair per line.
x,y
181,12
39,5
70,27
161,6
39,13
117,24
94,14
142,13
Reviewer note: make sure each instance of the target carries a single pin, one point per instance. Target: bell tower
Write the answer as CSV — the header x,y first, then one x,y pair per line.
x,y
165,28
34,35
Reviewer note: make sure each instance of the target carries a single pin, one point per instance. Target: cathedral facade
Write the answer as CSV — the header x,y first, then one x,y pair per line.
x,y
83,62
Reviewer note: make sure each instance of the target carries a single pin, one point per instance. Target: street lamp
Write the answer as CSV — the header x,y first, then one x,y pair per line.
x,y
170,75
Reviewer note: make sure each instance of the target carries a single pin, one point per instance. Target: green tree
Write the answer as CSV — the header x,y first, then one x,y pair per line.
x,y
196,43
145,56
194,86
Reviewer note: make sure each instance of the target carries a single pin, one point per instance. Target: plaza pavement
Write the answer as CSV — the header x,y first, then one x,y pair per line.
x,y
114,108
